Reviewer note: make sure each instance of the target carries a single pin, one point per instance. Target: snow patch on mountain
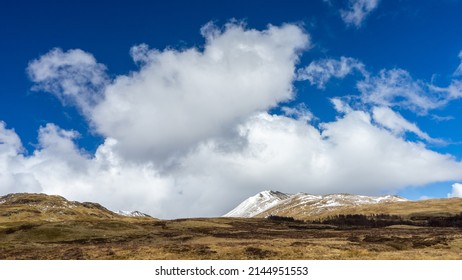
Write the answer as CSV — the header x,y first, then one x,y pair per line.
x,y
132,213
273,203
254,205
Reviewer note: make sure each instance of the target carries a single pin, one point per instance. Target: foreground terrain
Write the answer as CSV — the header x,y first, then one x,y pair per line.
x,y
50,227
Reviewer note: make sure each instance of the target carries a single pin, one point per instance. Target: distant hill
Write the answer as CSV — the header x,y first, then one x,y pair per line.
x,y
310,207
132,214
23,207
422,209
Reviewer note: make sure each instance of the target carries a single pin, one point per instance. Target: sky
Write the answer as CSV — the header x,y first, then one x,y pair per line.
x,y
186,108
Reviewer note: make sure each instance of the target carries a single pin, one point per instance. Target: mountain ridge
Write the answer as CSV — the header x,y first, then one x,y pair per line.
x,y
53,208
257,204
274,203
132,213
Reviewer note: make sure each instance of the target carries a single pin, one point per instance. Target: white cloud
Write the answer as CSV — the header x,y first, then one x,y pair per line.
x,y
283,153
441,118
319,72
59,167
11,154
10,144
456,190
398,125
366,152
299,112
458,71
396,88
74,76
140,53
357,11
179,98
389,88
350,154
453,91
340,105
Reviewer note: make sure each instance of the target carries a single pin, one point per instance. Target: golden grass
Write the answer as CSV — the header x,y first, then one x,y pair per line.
x,y
93,232
228,239
432,207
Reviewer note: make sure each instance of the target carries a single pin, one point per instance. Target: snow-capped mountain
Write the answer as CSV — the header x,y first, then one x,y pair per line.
x,y
132,214
255,205
269,203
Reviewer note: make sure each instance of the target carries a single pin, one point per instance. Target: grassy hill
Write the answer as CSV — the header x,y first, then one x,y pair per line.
x,y
37,226
407,209
26,207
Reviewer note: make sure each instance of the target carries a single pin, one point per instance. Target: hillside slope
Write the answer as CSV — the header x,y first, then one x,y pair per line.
x,y
421,209
27,207
50,227
302,205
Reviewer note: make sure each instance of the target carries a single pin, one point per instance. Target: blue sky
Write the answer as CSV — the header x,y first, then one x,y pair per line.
x,y
185,108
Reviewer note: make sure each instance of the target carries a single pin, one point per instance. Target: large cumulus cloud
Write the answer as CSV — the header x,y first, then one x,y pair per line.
x,y
180,97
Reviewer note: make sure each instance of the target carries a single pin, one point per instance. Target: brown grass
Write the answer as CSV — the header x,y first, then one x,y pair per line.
x,y
432,207
227,239
93,232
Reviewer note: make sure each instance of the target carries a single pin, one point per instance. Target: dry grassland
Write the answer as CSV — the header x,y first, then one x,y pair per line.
x,y
93,232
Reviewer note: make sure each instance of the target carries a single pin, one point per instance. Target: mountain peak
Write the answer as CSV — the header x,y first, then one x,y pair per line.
x,y
132,214
258,203
270,202
271,193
